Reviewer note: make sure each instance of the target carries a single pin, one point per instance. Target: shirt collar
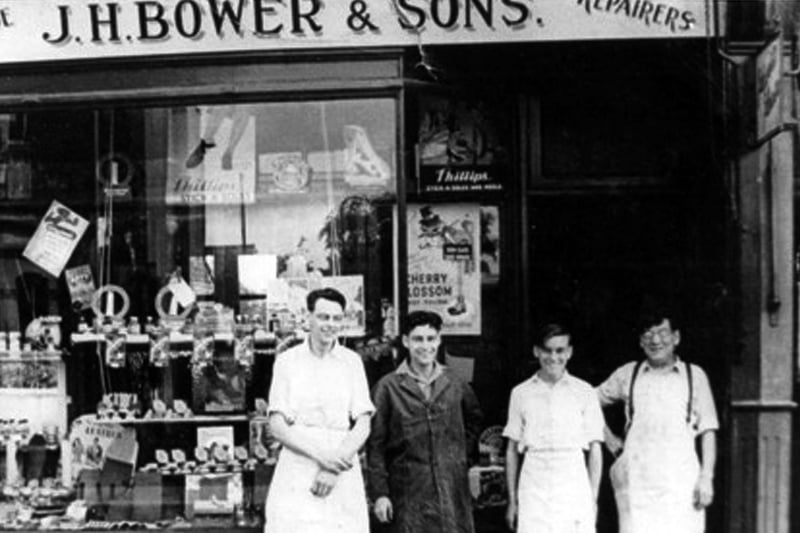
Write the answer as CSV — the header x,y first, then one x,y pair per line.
x,y
336,349
565,379
405,369
677,366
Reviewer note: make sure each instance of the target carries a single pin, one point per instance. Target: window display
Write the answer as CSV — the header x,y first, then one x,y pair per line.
x,y
202,229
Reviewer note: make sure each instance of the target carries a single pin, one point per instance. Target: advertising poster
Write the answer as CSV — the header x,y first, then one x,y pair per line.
x,y
443,264
232,154
90,443
56,238
80,283
219,387
211,156
459,149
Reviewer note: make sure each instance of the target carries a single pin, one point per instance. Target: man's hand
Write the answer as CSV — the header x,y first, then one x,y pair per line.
x,y
703,492
511,516
324,482
383,510
334,462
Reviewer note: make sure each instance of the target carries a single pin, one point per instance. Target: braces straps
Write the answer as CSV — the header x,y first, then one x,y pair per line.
x,y
636,368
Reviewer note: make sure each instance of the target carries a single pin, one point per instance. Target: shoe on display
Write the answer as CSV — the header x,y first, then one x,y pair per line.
x,y
198,154
459,308
227,161
363,165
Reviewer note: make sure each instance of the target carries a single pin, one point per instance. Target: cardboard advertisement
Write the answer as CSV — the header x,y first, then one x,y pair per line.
x,y
55,238
211,155
80,283
443,264
91,442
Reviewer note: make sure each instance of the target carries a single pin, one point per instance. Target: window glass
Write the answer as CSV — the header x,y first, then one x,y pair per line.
x,y
210,223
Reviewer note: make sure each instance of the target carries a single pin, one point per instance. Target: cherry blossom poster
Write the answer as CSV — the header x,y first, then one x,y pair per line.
x,y
443,264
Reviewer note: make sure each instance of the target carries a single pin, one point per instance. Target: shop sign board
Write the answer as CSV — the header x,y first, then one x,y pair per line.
x,y
443,264
44,30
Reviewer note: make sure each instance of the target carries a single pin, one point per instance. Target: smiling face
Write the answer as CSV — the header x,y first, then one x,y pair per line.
x,y
325,322
553,357
423,343
659,342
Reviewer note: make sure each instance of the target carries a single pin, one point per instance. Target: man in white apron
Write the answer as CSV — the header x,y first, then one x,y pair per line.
x,y
659,483
555,426
320,412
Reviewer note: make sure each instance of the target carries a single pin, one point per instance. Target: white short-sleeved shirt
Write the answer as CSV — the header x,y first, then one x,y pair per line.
x,y
327,392
672,382
560,416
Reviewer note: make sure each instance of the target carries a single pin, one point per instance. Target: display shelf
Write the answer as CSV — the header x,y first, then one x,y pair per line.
x,y
139,338
37,393
29,447
197,419
79,338
185,526
29,356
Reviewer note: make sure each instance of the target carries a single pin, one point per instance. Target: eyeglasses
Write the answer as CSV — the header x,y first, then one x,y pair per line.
x,y
662,334
326,317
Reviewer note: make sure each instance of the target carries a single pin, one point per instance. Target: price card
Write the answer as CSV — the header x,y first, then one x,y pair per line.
x,y
182,292
56,238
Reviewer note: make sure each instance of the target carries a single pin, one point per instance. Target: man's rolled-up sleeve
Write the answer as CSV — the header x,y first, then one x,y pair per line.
x,y
705,409
614,389
514,426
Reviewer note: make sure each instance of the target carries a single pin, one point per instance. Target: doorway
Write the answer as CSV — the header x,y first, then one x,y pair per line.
x,y
595,259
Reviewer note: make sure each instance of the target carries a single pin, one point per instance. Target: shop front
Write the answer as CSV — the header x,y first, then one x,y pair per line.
x,y
176,176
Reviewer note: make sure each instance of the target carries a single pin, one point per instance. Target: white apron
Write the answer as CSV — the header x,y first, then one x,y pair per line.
x,y
554,493
655,476
291,508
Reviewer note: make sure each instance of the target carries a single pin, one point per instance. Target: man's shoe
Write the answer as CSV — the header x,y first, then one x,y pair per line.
x,y
198,154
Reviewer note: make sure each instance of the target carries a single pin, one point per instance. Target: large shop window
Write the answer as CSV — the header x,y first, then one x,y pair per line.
x,y
152,263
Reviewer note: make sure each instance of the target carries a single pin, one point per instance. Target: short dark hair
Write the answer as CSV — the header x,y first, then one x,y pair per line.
x,y
550,330
654,314
328,293
422,318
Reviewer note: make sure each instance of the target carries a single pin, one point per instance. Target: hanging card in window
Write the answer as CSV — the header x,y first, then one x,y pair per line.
x,y
55,239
